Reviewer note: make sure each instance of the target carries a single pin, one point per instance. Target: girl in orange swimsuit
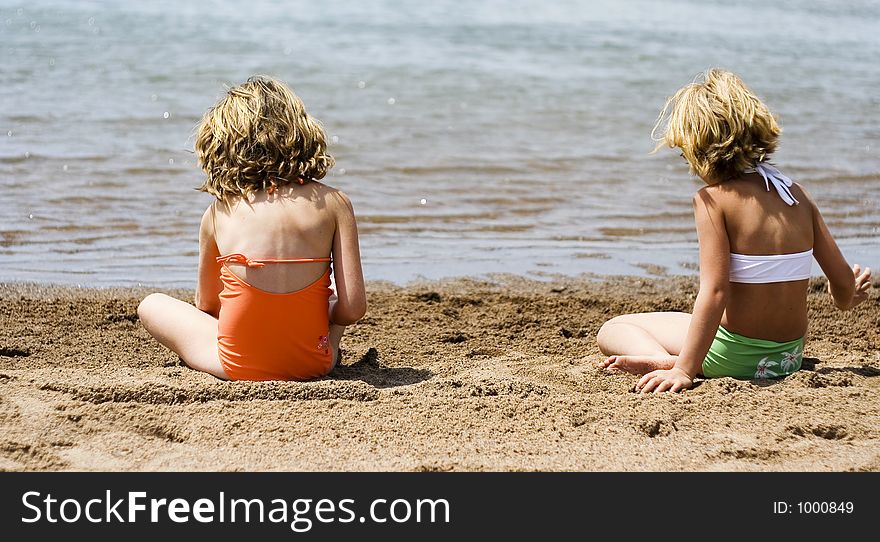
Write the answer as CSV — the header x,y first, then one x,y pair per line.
x,y
272,246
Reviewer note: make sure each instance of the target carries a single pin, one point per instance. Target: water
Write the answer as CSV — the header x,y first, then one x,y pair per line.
x,y
472,137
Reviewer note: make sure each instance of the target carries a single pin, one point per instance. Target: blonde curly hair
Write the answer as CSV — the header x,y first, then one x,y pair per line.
x,y
259,136
720,125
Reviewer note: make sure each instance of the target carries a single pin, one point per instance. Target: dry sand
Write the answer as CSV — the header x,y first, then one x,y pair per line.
x,y
453,375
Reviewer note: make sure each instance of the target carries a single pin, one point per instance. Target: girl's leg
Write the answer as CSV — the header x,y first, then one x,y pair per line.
x,y
645,342
189,332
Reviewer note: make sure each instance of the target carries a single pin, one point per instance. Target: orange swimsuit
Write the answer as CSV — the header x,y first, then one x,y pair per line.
x,y
266,336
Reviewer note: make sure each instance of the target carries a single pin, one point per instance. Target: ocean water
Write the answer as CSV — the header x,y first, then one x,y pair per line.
x,y
473,137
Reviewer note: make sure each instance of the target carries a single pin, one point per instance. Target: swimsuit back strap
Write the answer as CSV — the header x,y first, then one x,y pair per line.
x,y
775,177
241,258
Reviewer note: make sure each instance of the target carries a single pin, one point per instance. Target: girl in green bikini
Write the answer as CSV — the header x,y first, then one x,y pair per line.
x,y
758,235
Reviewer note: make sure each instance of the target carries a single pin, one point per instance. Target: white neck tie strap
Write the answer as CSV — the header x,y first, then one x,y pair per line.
x,y
775,177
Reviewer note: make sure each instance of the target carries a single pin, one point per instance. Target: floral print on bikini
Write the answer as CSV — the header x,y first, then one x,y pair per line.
x,y
790,362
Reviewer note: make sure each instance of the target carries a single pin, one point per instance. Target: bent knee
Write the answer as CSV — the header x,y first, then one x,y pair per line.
x,y
149,306
602,336
616,321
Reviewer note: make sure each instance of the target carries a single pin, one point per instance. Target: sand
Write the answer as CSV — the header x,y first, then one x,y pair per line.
x,y
453,375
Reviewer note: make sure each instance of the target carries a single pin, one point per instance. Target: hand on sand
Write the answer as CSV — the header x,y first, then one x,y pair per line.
x,y
863,283
665,380
638,365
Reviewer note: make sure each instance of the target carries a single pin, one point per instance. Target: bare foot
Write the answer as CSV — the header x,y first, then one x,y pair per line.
x,y
638,365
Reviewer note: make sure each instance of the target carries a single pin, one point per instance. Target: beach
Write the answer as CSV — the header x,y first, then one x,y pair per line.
x,y
495,374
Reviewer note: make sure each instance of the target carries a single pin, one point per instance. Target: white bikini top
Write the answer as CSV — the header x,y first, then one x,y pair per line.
x,y
753,269
771,268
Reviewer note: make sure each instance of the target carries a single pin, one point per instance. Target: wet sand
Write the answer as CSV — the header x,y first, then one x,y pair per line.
x,y
454,375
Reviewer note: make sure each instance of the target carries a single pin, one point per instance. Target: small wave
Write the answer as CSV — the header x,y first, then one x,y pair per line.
x,y
19,158
409,219
109,227
655,217
621,232
824,178
145,170
29,119
469,169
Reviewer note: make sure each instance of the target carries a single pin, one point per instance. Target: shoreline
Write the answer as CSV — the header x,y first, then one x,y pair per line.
x,y
461,374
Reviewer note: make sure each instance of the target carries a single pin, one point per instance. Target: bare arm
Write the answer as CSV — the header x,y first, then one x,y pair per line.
x,y
351,303
848,286
710,304
714,284
209,284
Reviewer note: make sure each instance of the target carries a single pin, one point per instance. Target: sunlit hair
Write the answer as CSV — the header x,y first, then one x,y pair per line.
x,y
259,136
720,125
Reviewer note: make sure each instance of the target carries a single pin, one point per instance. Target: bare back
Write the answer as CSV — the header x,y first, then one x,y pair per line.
x,y
293,222
759,222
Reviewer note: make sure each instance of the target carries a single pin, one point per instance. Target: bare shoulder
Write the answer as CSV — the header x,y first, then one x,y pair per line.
x,y
711,197
207,223
707,192
336,199
800,193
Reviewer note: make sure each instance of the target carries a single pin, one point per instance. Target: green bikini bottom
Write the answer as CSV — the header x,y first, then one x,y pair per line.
x,y
746,358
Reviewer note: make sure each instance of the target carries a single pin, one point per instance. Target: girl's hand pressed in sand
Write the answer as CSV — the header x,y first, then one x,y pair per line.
x,y
673,379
